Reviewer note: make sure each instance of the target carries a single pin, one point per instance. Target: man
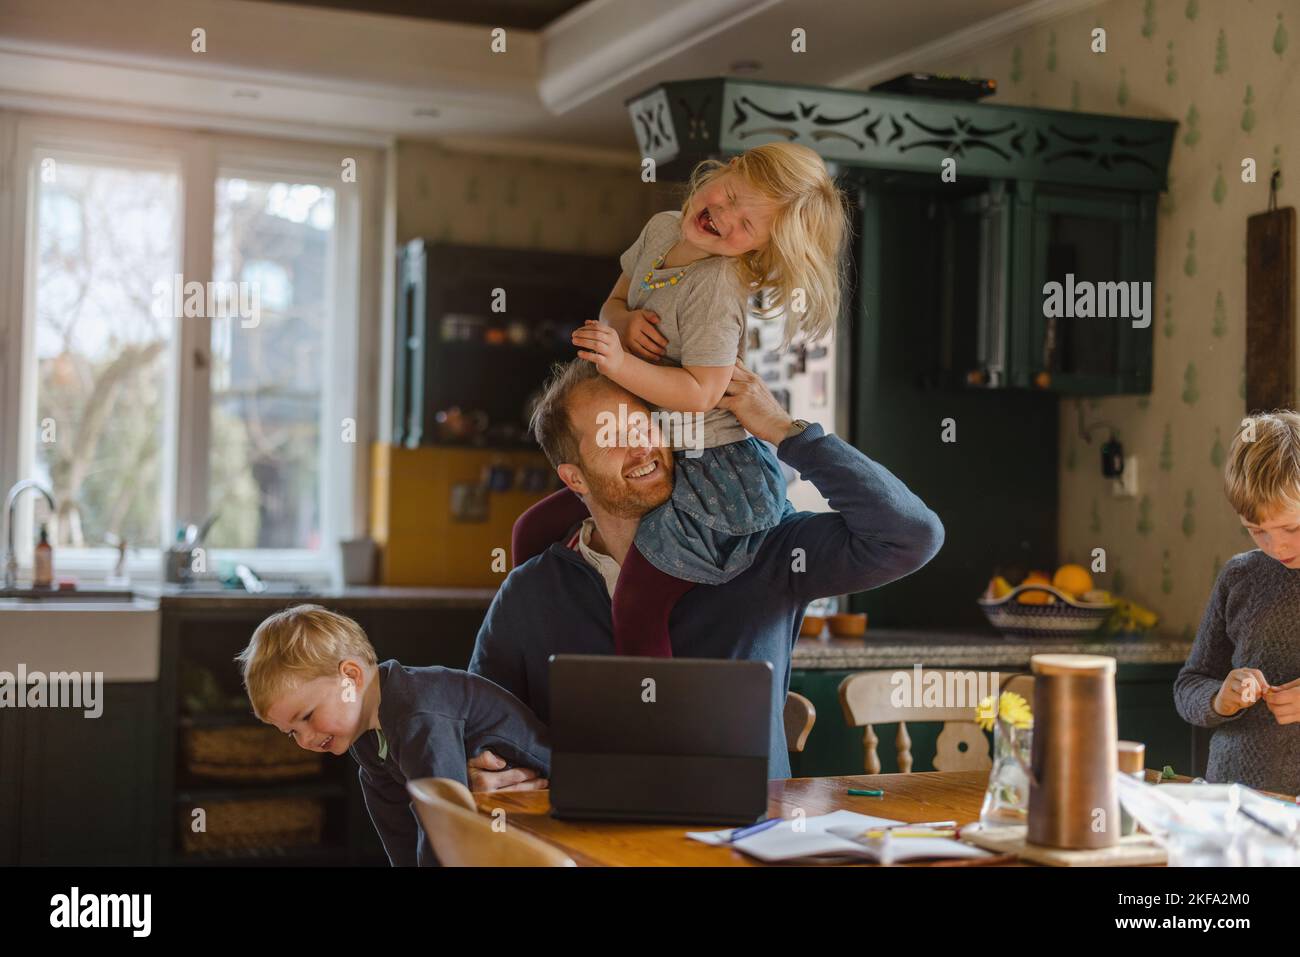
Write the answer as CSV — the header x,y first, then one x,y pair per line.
x,y
559,601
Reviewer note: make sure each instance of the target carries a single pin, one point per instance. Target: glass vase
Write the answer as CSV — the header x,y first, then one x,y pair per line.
x,y
1006,802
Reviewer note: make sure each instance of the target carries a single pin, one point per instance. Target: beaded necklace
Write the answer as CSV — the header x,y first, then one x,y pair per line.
x,y
670,281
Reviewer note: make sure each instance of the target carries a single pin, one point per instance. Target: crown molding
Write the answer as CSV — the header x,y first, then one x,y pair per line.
x,y
604,43
536,149
969,39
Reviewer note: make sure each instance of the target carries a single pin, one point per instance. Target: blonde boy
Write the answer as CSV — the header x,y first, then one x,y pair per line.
x,y
1242,677
314,675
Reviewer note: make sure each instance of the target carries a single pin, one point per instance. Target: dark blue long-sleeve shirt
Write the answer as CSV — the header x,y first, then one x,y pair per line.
x,y
879,531
433,720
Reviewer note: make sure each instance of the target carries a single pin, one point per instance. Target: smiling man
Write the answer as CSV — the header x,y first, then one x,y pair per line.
x,y
558,602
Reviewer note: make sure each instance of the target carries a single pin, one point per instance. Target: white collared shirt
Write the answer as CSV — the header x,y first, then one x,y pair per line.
x,y
607,567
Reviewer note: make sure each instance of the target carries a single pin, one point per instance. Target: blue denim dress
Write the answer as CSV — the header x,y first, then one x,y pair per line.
x,y
724,503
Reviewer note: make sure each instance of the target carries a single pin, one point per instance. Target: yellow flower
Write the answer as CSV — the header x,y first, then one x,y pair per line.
x,y
1015,710
1012,708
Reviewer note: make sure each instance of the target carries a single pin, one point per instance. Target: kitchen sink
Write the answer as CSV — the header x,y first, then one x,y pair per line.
x,y
50,596
211,587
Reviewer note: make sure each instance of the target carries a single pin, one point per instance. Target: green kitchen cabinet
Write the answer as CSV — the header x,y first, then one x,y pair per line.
x,y
1000,247
1015,197
198,639
1071,237
83,788
10,785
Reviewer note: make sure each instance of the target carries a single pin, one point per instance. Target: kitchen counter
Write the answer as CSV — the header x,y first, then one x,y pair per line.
x,y
208,597
903,648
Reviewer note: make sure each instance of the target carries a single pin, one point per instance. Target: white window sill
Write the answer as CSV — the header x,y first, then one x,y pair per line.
x,y
92,565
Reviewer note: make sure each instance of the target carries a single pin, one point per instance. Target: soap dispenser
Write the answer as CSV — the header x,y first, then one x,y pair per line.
x,y
43,562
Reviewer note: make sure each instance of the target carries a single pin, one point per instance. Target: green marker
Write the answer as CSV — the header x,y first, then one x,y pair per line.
x,y
866,792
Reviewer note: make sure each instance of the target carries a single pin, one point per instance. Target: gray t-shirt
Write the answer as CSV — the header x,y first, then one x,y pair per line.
x,y
1250,622
702,316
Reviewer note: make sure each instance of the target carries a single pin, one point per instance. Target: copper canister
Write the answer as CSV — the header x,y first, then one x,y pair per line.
x,y
1072,801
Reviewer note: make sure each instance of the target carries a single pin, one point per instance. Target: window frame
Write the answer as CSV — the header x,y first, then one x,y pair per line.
x,y
199,158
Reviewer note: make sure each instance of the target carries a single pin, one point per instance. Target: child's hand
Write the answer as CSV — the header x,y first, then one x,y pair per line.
x,y
599,344
641,337
488,772
1284,702
1241,689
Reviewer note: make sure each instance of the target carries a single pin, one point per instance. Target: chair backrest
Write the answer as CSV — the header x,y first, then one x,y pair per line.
x,y
799,717
461,837
868,699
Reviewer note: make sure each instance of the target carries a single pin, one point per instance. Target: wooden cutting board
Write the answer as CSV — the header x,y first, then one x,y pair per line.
x,y
1136,850
1270,310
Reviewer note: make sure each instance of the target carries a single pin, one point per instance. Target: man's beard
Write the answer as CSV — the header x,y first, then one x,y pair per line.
x,y
617,497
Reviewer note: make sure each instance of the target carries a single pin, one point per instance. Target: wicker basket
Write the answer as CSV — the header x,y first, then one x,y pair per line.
x,y
246,753
252,825
1065,617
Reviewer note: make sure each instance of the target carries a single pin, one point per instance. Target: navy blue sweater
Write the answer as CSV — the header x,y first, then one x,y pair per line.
x,y
434,720
879,531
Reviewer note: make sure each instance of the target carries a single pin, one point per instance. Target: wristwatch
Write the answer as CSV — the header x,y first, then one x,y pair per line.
x,y
796,427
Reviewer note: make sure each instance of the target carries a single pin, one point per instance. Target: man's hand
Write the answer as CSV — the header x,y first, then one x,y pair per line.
x,y
485,774
1284,701
749,400
1241,689
598,343
640,336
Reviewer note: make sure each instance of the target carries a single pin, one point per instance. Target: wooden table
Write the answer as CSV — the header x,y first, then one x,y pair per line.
x,y
922,796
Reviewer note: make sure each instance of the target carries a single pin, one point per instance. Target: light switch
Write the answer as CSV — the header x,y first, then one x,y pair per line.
x,y
1126,486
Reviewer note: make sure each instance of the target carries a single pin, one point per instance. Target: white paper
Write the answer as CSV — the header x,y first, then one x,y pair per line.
x,y
783,842
827,836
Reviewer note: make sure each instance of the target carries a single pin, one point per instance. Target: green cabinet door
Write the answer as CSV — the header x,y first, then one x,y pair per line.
x,y
10,732
1098,249
87,784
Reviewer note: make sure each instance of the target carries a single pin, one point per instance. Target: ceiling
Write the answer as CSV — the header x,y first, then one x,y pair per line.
x,y
517,14
315,71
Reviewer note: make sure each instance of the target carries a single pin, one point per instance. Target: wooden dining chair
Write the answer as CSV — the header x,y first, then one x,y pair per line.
x,y
799,717
462,837
961,745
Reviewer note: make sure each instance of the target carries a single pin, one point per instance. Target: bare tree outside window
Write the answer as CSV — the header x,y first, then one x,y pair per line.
x,y
267,379
105,236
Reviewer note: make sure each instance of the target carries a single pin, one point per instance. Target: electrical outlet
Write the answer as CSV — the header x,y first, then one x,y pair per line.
x,y
1126,486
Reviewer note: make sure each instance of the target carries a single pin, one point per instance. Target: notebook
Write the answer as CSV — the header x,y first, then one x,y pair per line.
x,y
832,838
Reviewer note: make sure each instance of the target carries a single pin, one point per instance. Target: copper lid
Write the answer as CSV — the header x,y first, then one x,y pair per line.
x,y
1051,664
1132,756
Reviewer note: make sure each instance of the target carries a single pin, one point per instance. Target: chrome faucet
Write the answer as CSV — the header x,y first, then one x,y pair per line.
x,y
11,559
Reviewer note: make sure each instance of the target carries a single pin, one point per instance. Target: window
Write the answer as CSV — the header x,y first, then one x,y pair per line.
x,y
105,235
187,320
274,242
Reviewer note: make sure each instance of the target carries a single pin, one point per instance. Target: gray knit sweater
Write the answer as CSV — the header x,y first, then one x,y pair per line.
x,y
1252,621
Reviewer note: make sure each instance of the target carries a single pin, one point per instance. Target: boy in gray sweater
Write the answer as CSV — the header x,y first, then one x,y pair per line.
x,y
1242,677
314,675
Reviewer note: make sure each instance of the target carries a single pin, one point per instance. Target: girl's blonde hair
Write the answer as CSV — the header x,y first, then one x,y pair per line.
x,y
1262,476
809,234
295,646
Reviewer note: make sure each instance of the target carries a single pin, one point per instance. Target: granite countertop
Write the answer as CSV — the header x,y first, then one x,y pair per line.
x,y
209,597
903,648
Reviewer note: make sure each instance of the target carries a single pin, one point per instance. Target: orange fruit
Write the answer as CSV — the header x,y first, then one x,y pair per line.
x,y
1073,579
1036,597
998,588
